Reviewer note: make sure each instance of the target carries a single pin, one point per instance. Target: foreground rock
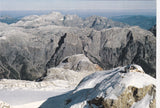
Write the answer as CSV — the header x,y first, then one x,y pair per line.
x,y
115,88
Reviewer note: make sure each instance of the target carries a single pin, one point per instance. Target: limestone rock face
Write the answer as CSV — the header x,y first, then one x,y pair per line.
x,y
112,47
131,96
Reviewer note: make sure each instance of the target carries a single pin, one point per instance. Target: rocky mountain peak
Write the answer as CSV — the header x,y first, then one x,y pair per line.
x,y
112,88
56,18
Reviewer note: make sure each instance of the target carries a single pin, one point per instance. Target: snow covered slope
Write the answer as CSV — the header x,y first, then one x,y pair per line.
x,y
30,94
115,88
58,80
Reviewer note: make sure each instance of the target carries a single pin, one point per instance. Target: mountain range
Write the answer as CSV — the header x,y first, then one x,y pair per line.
x,y
65,61
37,43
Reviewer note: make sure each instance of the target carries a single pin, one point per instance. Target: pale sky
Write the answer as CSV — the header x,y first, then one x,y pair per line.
x,y
110,5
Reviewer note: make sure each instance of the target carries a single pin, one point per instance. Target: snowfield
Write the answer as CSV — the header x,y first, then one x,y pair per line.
x,y
28,94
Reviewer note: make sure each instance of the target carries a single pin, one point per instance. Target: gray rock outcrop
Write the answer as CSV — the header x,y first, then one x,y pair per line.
x,y
128,99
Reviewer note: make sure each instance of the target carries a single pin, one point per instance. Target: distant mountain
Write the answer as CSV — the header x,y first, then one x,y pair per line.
x,y
145,22
56,18
9,20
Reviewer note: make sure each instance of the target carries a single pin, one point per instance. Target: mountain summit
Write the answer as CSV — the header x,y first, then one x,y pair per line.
x,y
122,87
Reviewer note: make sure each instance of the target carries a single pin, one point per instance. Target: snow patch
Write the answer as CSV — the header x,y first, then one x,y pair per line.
x,y
137,79
144,103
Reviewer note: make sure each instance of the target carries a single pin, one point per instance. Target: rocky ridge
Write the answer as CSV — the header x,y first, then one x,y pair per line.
x,y
56,18
117,88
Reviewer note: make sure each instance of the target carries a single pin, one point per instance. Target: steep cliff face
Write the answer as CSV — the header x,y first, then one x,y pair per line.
x,y
113,47
153,30
117,88
37,43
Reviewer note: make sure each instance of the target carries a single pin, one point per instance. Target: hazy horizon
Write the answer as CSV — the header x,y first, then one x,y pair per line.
x,y
22,13
82,8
